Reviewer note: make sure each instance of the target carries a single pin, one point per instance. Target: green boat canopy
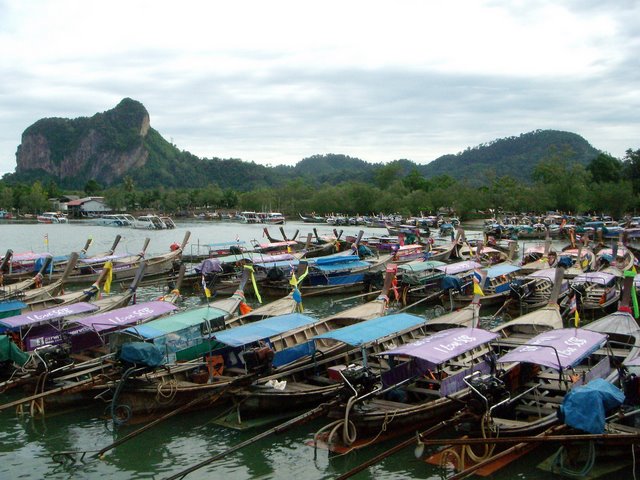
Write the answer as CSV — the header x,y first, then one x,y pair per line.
x,y
9,351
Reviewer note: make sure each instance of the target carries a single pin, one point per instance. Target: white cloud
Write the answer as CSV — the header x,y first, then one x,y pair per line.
x,y
274,82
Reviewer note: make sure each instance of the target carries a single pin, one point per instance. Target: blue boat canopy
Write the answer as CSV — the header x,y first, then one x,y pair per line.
x,y
374,329
501,270
11,306
263,329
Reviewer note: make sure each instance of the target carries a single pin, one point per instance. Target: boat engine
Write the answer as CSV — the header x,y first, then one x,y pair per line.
x,y
487,391
258,359
51,357
360,378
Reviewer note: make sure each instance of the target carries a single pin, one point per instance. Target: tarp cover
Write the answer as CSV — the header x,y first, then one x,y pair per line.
x,y
569,345
9,351
445,345
341,266
548,273
11,305
48,314
176,322
449,282
585,407
421,266
283,257
209,265
634,362
141,353
501,270
104,259
263,329
374,329
126,316
600,278
459,267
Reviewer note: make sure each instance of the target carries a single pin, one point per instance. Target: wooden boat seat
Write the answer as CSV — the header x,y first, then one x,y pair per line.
x,y
555,399
551,385
81,373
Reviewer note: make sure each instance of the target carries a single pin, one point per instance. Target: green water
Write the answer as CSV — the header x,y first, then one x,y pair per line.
x,y
27,445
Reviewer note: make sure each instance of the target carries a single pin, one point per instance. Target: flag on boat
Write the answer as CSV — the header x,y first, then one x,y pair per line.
x,y
107,282
573,305
205,288
477,279
573,310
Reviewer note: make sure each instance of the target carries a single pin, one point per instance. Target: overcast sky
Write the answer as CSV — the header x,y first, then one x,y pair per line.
x,y
277,81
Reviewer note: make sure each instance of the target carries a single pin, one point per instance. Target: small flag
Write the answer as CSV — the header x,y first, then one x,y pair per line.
x,y
205,288
244,308
107,283
477,289
573,305
576,318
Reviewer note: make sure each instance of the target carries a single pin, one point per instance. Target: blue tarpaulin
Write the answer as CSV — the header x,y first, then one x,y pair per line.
x,y
374,329
142,353
585,407
449,282
291,354
263,329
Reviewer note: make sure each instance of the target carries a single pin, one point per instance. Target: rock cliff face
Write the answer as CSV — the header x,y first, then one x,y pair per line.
x,y
104,147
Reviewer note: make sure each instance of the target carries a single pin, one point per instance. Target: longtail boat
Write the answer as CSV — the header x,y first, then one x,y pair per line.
x,y
54,341
214,348
541,371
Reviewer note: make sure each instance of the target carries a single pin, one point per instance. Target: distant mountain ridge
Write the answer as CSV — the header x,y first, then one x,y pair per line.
x,y
512,156
121,142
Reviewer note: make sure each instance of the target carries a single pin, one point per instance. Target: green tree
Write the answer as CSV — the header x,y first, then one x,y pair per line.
x,y
387,174
605,169
34,200
92,188
632,169
415,181
6,198
115,198
565,182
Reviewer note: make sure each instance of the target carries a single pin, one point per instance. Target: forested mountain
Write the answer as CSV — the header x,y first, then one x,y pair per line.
x,y
119,143
512,156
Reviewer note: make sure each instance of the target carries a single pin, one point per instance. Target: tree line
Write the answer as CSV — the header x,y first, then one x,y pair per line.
x,y
607,184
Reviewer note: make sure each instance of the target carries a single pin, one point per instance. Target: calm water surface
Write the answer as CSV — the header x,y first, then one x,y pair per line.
x,y
27,445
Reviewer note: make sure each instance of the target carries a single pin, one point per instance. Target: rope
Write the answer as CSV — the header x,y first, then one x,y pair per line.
x,y
125,410
560,457
166,398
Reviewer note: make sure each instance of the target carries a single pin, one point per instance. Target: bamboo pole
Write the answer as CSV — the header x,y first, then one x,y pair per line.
x,y
309,415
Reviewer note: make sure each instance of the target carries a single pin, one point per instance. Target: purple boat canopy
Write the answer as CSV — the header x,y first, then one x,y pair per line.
x,y
548,273
28,256
634,362
43,316
126,316
601,278
459,267
557,349
106,258
445,345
